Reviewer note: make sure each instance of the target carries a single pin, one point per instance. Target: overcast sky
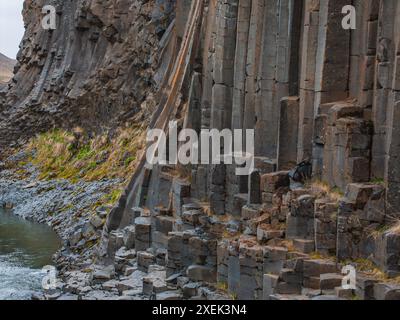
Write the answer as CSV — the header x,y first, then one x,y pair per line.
x,y
11,26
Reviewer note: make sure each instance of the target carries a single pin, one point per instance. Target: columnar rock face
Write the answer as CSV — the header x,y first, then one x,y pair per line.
x,y
311,90
94,70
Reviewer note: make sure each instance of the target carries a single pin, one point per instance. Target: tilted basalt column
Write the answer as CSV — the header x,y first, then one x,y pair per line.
x,y
182,10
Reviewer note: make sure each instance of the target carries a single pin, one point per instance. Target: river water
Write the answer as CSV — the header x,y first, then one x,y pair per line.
x,y
25,248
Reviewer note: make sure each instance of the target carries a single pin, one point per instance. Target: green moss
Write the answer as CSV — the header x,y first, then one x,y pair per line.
x,y
129,160
113,197
85,153
378,181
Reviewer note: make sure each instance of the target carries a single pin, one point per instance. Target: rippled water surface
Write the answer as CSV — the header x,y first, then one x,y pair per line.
x,y
25,248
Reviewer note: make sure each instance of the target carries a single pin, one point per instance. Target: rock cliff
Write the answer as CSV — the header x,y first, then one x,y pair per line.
x,y
95,69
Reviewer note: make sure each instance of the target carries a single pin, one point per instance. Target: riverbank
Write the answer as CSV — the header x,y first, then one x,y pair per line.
x,y
73,210
25,249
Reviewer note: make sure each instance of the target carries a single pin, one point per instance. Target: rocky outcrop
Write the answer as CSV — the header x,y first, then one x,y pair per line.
x,y
94,70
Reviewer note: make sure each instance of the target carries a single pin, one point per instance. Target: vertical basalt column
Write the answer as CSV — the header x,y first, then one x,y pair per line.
x,y
222,93
332,63
253,60
393,135
208,64
288,79
193,121
239,86
296,21
201,182
278,67
238,99
363,52
332,70
266,106
309,45
288,132
223,69
385,58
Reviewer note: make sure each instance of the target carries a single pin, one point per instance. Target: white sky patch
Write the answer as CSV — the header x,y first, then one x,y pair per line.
x,y
11,26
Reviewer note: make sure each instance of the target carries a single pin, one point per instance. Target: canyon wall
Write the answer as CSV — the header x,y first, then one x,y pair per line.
x,y
94,70
311,90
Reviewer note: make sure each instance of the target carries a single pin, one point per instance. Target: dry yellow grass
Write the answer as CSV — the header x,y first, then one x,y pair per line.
x,y
395,229
71,155
322,189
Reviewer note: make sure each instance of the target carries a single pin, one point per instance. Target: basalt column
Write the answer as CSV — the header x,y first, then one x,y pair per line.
x,y
266,110
253,61
309,47
288,74
222,92
278,66
201,173
363,53
384,66
331,72
332,64
223,69
208,58
243,28
362,73
239,94
393,119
